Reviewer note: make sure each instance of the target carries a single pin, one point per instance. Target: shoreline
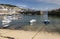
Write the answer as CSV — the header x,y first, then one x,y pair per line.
x,y
21,34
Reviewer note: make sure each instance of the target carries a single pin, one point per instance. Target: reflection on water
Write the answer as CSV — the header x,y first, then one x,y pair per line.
x,y
24,21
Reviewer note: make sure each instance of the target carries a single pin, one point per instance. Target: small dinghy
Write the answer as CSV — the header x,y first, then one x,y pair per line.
x,y
46,21
32,21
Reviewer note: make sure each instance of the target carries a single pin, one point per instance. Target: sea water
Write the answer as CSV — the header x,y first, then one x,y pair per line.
x,y
24,20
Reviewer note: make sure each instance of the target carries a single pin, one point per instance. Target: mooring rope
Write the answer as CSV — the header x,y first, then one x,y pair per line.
x,y
7,37
38,32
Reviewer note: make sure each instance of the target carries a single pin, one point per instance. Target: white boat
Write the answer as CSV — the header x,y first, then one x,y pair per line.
x,y
5,23
32,21
6,20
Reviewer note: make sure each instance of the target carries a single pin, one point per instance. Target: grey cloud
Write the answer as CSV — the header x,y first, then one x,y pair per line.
x,y
50,1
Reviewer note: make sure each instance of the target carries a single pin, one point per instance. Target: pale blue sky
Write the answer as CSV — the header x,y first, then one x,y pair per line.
x,y
34,4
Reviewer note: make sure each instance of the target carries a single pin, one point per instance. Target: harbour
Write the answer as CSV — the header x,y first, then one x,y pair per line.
x,y
23,21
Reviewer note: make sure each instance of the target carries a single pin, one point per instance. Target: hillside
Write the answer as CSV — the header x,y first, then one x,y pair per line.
x,y
7,8
55,12
8,5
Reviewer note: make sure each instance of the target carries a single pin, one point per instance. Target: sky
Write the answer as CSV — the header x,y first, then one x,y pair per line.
x,y
34,4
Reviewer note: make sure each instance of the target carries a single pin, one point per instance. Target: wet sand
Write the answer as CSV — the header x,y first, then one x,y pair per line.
x,y
21,34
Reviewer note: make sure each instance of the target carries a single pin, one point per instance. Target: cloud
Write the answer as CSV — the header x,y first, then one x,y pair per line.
x,y
22,6
50,1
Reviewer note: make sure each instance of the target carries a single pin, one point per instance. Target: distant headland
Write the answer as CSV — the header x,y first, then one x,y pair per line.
x,y
12,9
